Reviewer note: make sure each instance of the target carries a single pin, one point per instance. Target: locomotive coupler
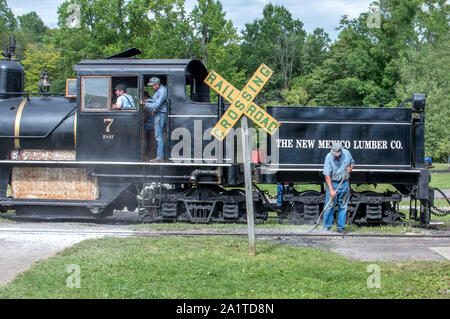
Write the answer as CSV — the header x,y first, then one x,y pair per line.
x,y
198,173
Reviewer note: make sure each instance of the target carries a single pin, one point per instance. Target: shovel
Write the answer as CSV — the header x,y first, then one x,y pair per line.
x,y
329,201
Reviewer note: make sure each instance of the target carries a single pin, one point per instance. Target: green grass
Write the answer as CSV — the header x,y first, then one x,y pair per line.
x,y
272,188
5,221
217,267
440,203
440,166
441,181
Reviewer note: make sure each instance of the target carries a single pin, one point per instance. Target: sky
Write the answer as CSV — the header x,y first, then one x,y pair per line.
x,y
313,13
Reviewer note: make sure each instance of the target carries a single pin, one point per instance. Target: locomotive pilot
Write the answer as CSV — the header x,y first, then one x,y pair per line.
x,y
158,106
337,167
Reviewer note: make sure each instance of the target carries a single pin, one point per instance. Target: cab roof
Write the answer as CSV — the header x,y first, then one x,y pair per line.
x,y
142,66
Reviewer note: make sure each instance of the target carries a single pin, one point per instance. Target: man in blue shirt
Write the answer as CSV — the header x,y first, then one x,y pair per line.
x,y
124,100
158,106
338,165
149,125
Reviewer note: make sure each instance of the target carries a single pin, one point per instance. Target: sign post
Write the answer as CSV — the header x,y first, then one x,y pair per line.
x,y
248,185
242,104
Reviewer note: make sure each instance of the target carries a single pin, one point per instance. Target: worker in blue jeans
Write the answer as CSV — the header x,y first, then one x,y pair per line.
x,y
158,106
338,166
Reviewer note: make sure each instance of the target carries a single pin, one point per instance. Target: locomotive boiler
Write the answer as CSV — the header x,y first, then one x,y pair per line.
x,y
75,156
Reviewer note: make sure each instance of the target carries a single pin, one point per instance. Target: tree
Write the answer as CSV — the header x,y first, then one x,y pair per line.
x,y
215,41
277,40
7,19
296,96
38,58
425,68
8,22
31,22
170,35
362,66
427,71
317,46
31,29
210,25
158,28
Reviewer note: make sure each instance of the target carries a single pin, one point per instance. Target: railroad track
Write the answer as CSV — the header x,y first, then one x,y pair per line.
x,y
142,234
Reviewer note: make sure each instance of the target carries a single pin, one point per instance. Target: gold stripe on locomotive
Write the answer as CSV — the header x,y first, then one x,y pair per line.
x,y
17,123
75,131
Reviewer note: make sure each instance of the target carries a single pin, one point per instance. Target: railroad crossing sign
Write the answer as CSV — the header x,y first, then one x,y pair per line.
x,y
242,102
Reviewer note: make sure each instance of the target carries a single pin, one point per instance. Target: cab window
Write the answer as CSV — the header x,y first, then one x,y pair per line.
x,y
98,93
130,84
196,89
95,93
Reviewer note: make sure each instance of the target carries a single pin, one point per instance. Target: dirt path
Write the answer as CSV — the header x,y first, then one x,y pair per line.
x,y
22,244
378,248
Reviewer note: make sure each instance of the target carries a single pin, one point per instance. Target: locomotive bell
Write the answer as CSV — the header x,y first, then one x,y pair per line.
x,y
44,82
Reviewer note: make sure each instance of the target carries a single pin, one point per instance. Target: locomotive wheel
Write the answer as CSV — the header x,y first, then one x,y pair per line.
x,y
148,215
261,213
242,208
303,213
389,216
295,214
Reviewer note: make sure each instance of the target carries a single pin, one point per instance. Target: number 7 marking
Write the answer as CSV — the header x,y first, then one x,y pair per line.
x,y
109,125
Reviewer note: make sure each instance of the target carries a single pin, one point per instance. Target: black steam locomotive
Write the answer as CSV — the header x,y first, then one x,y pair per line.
x,y
75,156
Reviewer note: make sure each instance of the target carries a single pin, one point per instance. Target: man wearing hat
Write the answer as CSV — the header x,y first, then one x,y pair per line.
x,y
158,106
124,100
338,165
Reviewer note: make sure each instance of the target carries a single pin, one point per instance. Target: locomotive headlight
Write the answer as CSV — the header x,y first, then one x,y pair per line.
x,y
418,102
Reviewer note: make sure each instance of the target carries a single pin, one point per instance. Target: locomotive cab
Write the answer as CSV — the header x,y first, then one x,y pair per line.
x,y
105,133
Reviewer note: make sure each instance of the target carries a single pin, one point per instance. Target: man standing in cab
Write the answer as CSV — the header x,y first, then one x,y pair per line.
x,y
337,167
158,106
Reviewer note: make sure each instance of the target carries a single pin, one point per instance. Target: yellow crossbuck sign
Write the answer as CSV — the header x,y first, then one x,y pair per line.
x,y
242,102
